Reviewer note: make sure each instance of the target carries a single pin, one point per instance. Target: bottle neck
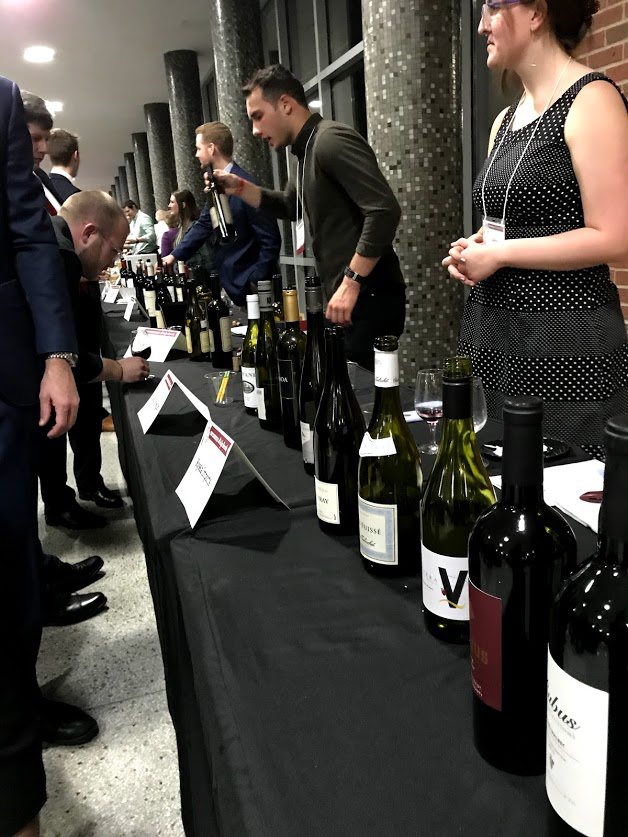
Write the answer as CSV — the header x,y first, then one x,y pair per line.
x,y
457,415
387,397
613,537
522,464
336,371
252,309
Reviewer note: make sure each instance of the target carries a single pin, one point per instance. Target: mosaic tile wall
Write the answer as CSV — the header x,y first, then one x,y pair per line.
x,y
186,114
161,152
236,29
131,177
142,170
412,66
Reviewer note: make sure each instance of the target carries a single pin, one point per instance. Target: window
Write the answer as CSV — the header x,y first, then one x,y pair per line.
x,y
210,100
344,25
270,39
302,39
348,98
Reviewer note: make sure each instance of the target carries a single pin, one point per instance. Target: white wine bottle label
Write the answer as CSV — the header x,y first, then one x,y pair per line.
x,y
485,627
261,403
378,532
214,216
307,443
150,297
577,750
204,339
173,292
188,340
161,323
286,380
226,208
377,447
386,369
179,294
225,334
327,505
445,585
248,387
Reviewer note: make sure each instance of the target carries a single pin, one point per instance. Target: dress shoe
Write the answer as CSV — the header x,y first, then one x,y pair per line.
x,y
68,578
74,516
103,497
107,425
66,725
69,609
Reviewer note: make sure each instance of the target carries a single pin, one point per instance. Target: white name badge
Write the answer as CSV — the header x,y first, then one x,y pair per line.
x,y
494,230
300,236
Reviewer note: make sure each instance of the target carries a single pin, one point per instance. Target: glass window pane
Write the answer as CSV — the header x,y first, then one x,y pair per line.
x,y
302,39
270,41
344,25
348,99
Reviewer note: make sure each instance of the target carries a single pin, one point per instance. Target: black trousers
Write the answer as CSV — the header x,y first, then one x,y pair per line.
x,y
22,778
379,311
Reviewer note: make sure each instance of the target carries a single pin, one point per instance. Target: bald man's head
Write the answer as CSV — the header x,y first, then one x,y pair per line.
x,y
99,230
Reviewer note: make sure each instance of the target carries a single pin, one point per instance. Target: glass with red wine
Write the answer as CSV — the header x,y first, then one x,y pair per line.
x,y
428,402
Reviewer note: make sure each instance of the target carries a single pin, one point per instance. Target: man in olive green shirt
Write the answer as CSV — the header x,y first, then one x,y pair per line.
x,y
352,211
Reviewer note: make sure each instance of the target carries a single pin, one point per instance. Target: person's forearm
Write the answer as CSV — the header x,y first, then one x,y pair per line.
x,y
573,250
363,265
250,193
111,371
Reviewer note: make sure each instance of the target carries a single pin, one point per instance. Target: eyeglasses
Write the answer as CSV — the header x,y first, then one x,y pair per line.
x,y
117,252
489,10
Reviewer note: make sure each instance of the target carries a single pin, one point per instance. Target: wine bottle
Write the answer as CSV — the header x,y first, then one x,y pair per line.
x,y
313,369
123,273
181,281
138,282
457,492
171,282
249,385
219,210
163,299
520,552
587,685
290,352
196,329
150,295
278,302
338,432
219,322
390,480
266,368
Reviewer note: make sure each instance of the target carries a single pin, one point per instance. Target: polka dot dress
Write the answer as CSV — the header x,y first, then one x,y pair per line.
x,y
556,334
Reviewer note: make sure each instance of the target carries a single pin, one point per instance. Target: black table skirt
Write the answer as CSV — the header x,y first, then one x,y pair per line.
x,y
306,696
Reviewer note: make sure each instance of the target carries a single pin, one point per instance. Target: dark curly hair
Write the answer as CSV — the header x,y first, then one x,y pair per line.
x,y
569,20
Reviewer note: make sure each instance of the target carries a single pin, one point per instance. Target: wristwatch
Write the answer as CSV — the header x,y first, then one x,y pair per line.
x,y
71,358
351,274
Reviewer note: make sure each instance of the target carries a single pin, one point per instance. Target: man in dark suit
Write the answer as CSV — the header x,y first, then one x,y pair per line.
x,y
255,253
38,338
63,150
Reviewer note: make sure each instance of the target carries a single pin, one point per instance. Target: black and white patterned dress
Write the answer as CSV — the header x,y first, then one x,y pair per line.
x,y
556,334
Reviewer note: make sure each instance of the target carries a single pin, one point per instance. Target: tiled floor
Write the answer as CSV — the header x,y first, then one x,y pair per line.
x,y
125,782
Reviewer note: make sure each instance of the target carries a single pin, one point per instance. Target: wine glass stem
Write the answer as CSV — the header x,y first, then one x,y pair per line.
x,y
433,433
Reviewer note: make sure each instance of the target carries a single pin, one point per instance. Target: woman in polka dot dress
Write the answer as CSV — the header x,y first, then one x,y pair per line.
x,y
543,317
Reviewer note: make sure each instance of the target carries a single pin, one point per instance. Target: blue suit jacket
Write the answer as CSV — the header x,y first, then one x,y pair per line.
x,y
63,186
253,256
34,304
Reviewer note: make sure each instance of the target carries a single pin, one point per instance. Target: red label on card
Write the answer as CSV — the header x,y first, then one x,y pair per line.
x,y
485,623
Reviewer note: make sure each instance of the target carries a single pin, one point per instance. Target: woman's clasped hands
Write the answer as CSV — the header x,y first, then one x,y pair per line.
x,y
470,260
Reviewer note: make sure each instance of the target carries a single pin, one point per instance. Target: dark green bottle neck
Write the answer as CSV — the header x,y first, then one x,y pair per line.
x,y
316,322
613,536
522,465
336,372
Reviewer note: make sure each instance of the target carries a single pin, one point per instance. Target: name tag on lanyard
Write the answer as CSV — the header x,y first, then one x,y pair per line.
x,y
494,230
300,236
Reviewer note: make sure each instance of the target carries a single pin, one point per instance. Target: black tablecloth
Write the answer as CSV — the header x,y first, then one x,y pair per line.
x,y
306,696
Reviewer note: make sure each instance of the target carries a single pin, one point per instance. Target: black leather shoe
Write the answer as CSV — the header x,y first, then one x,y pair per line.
x,y
65,725
74,517
68,578
103,497
71,609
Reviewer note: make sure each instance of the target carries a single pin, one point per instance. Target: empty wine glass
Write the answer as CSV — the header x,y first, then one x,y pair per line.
x,y
428,402
478,404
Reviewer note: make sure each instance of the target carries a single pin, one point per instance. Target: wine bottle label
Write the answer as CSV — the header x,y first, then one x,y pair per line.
x,y
188,340
327,505
150,298
248,386
226,208
445,585
577,750
378,532
286,380
161,323
225,334
214,216
377,447
173,292
261,403
179,294
266,300
307,443
386,369
205,347
485,625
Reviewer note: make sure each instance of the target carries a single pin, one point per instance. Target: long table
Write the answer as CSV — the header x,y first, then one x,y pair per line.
x,y
306,696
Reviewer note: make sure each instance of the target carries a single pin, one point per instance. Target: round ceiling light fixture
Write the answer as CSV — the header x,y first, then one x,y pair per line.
x,y
39,54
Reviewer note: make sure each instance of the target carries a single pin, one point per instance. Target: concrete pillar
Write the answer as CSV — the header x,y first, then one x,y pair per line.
x,y
161,151
143,172
131,177
186,114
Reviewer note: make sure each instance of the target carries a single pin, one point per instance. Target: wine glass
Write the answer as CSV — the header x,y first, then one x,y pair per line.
x,y
478,404
142,351
428,402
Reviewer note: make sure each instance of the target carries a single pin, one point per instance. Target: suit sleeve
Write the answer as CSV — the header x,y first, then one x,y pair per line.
x,y
280,204
267,234
200,232
32,240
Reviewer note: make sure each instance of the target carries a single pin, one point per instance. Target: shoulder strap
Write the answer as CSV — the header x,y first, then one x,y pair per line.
x,y
577,86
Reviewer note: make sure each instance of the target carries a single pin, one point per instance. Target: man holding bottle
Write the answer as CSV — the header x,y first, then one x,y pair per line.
x,y
352,212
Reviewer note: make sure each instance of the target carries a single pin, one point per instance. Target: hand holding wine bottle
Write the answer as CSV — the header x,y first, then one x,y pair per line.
x,y
219,209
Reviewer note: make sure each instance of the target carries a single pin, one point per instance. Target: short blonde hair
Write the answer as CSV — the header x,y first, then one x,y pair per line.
x,y
97,207
219,134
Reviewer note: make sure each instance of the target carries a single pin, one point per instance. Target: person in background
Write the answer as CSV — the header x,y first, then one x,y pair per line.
x,y
162,225
255,253
352,211
63,150
38,336
184,213
39,122
142,237
543,316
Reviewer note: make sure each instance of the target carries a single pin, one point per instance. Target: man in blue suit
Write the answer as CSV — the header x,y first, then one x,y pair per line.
x,y
37,351
255,253
63,151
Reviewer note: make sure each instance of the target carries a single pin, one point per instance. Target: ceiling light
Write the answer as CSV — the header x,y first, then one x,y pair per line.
x,y
316,104
54,107
39,54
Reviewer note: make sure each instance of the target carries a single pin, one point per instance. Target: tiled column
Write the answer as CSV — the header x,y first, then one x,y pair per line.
x,y
186,114
237,38
161,151
118,189
412,70
142,170
114,192
131,177
124,186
